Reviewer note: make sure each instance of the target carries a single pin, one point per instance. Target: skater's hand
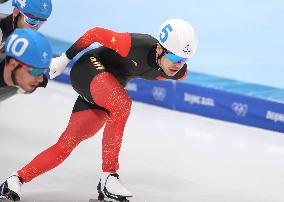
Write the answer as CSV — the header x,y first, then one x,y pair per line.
x,y
58,65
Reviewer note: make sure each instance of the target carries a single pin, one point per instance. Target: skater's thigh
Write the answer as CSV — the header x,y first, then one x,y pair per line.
x,y
82,73
85,121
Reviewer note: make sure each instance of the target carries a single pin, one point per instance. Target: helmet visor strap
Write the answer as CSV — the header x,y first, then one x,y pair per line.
x,y
13,75
15,22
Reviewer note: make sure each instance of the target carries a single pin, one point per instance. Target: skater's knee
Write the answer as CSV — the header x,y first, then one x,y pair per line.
x,y
123,102
120,104
72,138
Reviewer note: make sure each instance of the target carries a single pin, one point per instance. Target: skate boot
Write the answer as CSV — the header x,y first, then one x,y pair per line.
x,y
10,189
111,190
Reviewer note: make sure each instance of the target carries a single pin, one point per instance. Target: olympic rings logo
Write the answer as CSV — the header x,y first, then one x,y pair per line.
x,y
239,108
159,93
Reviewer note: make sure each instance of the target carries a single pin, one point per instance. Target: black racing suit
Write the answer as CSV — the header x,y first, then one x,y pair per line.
x,y
139,62
99,76
7,27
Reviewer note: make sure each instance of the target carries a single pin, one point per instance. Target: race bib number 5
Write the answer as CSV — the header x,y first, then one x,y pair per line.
x,y
165,33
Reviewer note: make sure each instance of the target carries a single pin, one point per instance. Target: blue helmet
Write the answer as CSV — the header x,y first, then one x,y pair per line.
x,y
29,47
37,8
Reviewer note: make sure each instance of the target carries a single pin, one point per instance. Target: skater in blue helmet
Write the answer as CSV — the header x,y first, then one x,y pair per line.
x,y
26,14
28,56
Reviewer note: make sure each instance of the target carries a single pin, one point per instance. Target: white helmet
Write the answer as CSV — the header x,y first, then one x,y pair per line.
x,y
179,37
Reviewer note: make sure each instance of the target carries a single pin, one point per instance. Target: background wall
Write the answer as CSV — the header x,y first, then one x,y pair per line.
x,y
237,39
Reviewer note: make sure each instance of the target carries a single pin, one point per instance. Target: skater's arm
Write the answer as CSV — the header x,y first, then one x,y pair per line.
x,y
119,42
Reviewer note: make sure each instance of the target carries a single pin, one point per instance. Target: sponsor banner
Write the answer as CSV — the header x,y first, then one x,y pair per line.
x,y
159,93
229,107
204,101
274,116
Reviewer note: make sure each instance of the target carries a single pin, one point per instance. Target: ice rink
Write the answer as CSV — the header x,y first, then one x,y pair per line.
x,y
166,155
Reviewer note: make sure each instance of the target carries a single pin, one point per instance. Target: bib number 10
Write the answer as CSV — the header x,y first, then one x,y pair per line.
x,y
17,45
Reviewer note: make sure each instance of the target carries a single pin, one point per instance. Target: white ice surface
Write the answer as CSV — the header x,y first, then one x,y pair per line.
x,y
166,155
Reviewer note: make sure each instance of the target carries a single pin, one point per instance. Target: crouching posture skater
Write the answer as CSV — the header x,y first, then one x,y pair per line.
x,y
99,77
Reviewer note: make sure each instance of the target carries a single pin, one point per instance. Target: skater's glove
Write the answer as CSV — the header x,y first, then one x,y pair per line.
x,y
58,65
